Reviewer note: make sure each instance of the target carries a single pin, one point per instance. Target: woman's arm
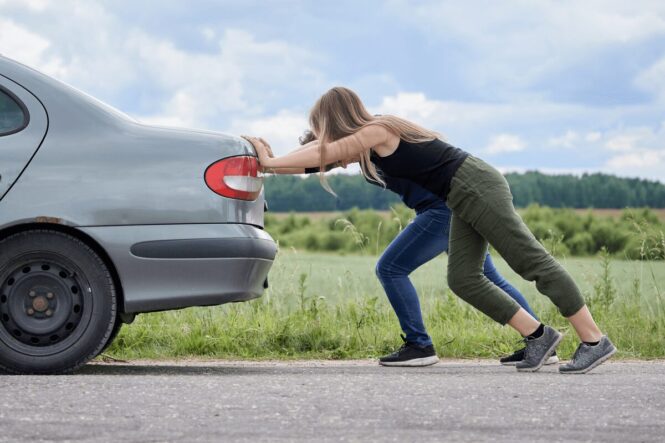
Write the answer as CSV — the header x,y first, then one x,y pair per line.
x,y
312,170
294,171
310,156
285,171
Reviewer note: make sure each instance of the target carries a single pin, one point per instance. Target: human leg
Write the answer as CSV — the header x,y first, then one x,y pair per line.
x,y
481,196
495,277
466,257
420,241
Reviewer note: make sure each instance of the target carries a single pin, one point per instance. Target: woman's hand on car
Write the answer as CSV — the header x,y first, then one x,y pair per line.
x,y
263,150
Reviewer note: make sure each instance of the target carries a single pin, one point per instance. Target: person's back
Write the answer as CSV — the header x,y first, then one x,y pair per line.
x,y
430,164
413,195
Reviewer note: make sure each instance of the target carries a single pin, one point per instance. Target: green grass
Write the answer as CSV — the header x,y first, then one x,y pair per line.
x,y
331,306
631,234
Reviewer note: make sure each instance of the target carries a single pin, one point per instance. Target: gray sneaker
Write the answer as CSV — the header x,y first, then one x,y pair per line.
x,y
538,350
587,357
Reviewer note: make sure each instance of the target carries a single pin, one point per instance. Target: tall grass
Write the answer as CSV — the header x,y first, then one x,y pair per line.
x,y
331,306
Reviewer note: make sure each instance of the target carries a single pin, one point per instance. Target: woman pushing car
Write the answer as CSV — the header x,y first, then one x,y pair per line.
x,y
482,213
420,241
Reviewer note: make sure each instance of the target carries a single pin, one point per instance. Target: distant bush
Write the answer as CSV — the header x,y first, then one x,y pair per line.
x,y
293,193
636,234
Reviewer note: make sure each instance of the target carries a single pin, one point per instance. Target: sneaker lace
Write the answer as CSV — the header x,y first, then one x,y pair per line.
x,y
403,347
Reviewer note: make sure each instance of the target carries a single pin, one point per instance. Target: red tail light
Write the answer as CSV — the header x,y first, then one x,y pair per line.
x,y
235,177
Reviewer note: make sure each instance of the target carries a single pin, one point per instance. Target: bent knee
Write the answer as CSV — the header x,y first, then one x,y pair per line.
x,y
383,270
386,269
461,282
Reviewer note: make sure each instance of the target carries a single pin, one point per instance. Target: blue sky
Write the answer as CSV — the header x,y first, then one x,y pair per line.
x,y
559,86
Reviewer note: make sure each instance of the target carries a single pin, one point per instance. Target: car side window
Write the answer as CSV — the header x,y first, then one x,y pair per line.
x,y
13,117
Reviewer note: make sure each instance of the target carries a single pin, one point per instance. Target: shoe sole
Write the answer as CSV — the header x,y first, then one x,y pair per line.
x,y
552,360
545,358
593,365
416,362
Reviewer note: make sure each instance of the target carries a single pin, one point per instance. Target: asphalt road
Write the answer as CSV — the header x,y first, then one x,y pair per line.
x,y
333,401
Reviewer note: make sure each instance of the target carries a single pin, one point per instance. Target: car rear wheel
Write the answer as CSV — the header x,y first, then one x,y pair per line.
x,y
57,303
114,333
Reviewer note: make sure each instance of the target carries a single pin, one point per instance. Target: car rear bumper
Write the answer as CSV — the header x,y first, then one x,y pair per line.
x,y
176,266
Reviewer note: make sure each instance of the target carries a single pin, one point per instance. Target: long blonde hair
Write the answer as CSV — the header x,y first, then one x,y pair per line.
x,y
340,112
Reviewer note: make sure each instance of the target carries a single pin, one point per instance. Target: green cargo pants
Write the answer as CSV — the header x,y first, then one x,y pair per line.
x,y
483,212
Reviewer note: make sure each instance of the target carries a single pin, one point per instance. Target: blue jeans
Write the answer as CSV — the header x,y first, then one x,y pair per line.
x,y
420,241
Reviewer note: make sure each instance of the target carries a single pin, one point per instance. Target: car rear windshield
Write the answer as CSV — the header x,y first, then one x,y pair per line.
x,y
12,117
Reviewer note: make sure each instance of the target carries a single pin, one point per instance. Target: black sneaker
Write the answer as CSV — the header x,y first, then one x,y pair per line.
x,y
517,356
411,354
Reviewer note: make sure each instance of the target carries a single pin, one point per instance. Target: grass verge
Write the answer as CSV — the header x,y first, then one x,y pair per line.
x,y
332,307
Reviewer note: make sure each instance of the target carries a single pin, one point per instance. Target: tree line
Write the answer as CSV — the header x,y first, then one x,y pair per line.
x,y
294,193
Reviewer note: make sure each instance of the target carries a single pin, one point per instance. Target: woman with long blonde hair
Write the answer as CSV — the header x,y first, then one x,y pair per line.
x,y
483,213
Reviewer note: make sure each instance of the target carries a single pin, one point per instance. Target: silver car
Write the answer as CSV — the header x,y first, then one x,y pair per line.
x,y
102,218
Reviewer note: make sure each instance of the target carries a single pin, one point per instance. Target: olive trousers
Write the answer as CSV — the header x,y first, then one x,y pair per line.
x,y
483,213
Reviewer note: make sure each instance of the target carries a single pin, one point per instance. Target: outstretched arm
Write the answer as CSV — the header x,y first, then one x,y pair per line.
x,y
293,171
348,147
314,170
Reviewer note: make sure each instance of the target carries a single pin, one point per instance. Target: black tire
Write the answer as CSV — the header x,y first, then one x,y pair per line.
x,y
57,303
114,333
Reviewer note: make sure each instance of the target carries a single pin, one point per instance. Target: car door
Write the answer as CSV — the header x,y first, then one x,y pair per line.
x,y
23,124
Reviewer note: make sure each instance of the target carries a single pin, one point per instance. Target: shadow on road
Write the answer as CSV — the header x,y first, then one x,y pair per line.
x,y
450,369
253,369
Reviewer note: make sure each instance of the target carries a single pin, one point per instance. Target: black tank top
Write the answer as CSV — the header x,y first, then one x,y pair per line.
x,y
429,164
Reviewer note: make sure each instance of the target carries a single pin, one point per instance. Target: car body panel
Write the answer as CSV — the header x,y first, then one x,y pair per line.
x,y
121,172
123,183
151,284
18,148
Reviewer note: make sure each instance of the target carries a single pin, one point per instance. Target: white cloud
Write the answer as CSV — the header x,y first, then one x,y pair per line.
x,y
624,142
575,140
236,81
28,47
442,114
645,163
208,33
503,143
631,139
280,130
652,79
412,105
513,44
568,140
33,5
644,158
637,151
204,86
172,85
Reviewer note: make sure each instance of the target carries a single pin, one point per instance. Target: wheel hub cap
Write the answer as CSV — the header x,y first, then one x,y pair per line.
x,y
40,303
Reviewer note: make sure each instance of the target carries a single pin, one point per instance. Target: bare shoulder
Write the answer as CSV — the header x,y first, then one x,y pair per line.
x,y
383,141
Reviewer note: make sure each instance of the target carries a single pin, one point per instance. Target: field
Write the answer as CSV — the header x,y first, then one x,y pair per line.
x,y
332,306
631,233
614,213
